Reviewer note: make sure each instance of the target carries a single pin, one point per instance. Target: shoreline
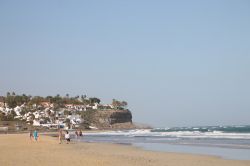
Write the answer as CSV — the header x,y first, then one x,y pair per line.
x,y
144,147
17,148
192,149
225,151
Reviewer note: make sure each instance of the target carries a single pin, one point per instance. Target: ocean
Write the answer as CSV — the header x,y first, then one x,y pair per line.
x,y
229,142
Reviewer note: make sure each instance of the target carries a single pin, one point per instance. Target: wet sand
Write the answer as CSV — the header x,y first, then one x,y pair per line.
x,y
17,149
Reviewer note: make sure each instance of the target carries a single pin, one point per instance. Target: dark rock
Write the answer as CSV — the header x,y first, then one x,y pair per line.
x,y
111,118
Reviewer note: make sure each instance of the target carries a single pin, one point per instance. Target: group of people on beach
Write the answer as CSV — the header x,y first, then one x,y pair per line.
x,y
67,135
78,133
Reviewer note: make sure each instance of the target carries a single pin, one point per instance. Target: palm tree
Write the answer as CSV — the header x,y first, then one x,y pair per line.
x,y
83,97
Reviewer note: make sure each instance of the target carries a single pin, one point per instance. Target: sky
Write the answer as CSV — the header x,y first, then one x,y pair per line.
x,y
176,63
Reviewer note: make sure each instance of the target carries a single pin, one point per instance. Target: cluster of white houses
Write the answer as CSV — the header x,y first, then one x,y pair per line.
x,y
45,115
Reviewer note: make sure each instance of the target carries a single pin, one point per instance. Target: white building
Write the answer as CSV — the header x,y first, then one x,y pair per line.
x,y
36,122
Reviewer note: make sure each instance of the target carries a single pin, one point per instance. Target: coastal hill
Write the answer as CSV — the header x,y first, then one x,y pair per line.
x,y
65,112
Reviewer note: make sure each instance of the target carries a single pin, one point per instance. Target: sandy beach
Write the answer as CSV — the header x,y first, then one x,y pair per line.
x,y
17,149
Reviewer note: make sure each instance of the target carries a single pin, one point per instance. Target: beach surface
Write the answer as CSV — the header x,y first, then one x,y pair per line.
x,y
17,149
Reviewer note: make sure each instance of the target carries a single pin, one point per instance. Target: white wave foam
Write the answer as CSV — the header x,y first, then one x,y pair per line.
x,y
177,134
214,134
123,133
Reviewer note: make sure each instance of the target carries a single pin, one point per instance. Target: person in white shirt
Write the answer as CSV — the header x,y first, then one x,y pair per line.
x,y
67,137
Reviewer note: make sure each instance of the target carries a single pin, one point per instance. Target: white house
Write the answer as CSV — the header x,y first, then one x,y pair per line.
x,y
36,122
2,109
95,107
36,114
2,104
74,119
17,110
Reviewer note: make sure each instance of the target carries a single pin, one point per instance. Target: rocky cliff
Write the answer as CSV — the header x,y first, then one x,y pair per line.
x,y
112,119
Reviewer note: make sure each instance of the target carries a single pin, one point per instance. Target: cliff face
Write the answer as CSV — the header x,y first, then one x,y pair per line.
x,y
112,119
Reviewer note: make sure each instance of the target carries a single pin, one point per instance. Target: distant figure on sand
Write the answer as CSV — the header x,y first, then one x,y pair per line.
x,y
31,135
76,133
80,133
67,137
35,135
60,135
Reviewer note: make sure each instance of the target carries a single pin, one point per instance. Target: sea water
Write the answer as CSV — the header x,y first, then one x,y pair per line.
x,y
229,142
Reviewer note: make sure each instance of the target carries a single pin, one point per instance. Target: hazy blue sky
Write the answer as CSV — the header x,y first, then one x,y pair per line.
x,y
176,63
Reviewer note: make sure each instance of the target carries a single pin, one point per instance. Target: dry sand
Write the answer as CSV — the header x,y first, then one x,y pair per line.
x,y
18,150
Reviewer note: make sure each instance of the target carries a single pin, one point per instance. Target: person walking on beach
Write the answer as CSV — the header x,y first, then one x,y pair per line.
x,y
67,137
35,134
77,134
60,135
80,133
31,135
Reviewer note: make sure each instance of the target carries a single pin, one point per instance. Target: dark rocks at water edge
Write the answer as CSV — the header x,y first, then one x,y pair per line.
x,y
106,119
